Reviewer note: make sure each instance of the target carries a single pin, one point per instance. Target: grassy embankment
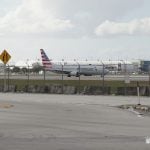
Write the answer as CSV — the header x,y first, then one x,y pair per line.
x,y
113,84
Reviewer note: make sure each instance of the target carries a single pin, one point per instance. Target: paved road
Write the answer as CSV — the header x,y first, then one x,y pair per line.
x,y
61,122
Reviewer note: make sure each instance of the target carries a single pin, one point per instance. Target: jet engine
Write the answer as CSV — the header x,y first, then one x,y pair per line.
x,y
73,73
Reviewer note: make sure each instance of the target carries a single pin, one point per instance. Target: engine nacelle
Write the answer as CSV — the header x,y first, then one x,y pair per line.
x,y
74,73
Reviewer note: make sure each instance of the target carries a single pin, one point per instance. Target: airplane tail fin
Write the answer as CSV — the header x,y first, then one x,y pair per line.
x,y
47,64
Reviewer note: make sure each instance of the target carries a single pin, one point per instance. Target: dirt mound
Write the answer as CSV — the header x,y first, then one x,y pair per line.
x,y
4,105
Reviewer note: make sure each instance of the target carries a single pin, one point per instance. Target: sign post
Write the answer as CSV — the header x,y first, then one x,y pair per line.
x,y
5,57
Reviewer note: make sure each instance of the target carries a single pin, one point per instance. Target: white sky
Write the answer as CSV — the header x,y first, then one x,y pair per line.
x,y
76,29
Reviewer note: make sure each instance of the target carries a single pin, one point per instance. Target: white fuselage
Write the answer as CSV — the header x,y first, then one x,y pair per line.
x,y
76,70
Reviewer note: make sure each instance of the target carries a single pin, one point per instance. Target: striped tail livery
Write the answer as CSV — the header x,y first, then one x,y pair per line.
x,y
45,60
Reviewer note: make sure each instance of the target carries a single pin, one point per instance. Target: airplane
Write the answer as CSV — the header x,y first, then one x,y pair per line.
x,y
72,69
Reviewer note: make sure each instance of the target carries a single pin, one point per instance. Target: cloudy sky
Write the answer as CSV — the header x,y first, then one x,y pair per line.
x,y
76,29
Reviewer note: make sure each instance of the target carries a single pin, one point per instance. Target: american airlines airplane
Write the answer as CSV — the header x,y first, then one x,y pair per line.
x,y
72,69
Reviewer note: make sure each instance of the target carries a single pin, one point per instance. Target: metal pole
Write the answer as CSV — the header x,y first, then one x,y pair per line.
x,y
28,75
44,74
79,77
125,74
149,74
103,80
138,93
4,77
8,76
62,78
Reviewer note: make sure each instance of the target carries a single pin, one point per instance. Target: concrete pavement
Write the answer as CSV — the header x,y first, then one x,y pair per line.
x,y
71,122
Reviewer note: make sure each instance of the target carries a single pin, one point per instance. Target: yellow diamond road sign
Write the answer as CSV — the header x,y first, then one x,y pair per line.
x,y
5,56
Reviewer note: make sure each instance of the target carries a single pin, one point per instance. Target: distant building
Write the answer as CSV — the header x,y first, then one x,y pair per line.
x,y
145,65
121,66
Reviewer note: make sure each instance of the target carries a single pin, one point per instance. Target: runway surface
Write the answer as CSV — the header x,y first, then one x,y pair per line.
x,y
71,122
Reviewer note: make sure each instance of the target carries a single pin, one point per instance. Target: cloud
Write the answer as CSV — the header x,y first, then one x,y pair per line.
x,y
32,17
134,27
87,14
61,18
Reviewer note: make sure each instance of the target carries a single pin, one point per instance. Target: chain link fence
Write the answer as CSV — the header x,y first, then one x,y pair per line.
x,y
88,79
